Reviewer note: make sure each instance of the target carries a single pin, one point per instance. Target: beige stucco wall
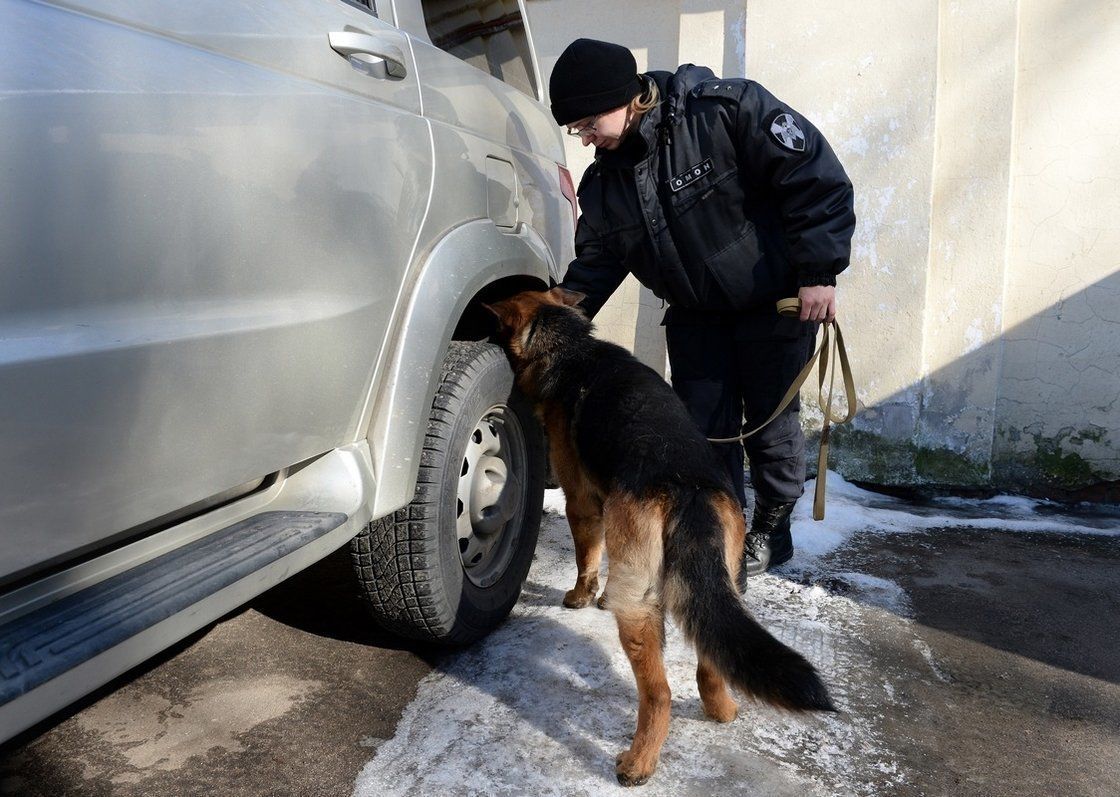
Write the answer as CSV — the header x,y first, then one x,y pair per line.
x,y
982,306
1058,404
968,231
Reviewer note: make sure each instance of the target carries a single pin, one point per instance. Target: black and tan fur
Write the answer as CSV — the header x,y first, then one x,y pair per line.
x,y
640,478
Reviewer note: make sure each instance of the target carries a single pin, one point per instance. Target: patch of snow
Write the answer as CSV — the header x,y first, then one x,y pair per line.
x,y
850,509
548,700
554,503
545,704
875,591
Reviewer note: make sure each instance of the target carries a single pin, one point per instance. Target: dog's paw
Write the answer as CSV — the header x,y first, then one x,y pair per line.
x,y
602,602
723,711
578,598
630,771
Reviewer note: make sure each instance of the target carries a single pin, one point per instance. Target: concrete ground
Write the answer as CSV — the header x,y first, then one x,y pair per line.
x,y
965,661
286,697
1020,694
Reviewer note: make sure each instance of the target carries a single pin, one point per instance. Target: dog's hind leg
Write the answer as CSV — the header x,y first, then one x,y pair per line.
x,y
716,697
633,536
642,633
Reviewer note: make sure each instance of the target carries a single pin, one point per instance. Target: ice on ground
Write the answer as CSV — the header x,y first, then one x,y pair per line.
x,y
850,509
543,705
875,591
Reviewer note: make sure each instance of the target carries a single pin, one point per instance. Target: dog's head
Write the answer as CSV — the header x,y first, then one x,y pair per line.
x,y
529,321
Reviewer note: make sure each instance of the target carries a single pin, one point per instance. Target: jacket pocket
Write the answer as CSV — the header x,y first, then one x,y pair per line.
x,y
688,197
742,272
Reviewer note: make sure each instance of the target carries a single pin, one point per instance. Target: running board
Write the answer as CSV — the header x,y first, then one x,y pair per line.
x,y
60,637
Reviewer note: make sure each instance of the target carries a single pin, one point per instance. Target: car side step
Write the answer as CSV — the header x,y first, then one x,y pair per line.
x,y
44,643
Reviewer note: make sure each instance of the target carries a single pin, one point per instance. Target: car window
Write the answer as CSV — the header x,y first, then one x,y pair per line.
x,y
487,34
365,5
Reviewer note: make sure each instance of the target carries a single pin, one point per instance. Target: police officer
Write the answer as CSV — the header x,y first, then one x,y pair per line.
x,y
721,200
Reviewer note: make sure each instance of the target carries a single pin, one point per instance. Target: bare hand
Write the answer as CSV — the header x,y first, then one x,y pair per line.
x,y
818,302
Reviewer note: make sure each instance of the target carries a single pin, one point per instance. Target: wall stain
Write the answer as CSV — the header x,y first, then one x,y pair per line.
x,y
1046,469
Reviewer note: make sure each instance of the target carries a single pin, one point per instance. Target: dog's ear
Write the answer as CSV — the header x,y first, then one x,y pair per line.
x,y
505,312
499,312
570,298
502,310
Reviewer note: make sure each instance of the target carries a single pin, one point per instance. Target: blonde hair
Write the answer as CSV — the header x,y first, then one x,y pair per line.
x,y
648,99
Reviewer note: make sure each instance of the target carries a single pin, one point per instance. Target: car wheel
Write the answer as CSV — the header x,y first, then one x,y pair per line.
x,y
449,566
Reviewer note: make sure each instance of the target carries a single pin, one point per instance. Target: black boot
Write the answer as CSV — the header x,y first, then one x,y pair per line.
x,y
768,543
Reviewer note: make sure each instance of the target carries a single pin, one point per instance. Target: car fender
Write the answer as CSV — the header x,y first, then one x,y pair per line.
x,y
462,263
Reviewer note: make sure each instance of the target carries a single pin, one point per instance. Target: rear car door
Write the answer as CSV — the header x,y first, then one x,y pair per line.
x,y
207,214
481,89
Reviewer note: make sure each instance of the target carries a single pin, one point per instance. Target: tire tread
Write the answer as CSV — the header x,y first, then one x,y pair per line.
x,y
394,555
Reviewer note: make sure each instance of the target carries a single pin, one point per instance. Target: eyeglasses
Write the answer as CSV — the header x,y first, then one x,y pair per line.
x,y
587,128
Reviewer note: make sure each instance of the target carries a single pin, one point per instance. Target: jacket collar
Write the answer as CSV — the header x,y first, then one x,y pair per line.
x,y
674,88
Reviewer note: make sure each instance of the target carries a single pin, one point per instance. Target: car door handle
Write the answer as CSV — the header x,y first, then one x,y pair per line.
x,y
368,54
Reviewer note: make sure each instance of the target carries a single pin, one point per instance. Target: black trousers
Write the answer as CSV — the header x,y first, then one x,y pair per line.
x,y
735,372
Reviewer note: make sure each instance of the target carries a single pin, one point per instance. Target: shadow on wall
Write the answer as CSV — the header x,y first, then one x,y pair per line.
x,y
1055,418
1033,410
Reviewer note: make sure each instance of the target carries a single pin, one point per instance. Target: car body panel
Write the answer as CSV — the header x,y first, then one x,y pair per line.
x,y
476,120
340,481
160,336
233,252
470,258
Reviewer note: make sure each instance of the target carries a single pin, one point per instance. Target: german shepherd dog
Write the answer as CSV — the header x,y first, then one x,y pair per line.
x,y
638,475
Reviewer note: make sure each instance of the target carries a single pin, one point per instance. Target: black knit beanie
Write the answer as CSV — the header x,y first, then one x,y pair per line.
x,y
591,77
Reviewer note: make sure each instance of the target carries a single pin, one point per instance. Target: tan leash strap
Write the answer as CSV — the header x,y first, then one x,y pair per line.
x,y
834,350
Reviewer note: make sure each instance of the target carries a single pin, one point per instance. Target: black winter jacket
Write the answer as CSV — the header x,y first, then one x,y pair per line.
x,y
723,200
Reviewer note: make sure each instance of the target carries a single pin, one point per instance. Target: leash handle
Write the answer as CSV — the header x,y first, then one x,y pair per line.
x,y
833,348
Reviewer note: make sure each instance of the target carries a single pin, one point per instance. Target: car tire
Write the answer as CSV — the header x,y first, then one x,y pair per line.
x,y
449,566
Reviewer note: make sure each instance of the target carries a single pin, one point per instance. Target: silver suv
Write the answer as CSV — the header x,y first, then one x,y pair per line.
x,y
243,251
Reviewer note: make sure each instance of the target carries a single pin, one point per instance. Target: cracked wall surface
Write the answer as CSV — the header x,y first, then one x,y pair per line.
x,y
982,306
1057,411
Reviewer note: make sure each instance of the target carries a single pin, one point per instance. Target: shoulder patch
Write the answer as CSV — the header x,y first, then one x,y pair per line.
x,y
783,128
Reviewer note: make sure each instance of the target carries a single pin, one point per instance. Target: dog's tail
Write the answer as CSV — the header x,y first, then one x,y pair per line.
x,y
699,592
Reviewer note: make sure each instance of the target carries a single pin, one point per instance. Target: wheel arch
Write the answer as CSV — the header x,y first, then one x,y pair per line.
x,y
472,264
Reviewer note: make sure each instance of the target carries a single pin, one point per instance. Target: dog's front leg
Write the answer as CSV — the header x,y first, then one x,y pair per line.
x,y
586,521
583,508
